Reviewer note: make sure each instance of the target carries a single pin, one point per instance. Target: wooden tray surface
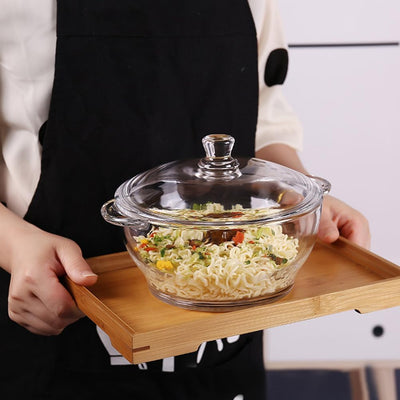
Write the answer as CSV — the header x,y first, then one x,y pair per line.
x,y
336,277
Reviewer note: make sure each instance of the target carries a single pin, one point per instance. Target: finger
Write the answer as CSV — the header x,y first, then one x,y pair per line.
x,y
328,231
51,312
33,323
58,301
350,223
357,232
39,290
289,198
75,266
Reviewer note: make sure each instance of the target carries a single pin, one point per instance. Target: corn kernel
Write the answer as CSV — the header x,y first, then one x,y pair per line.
x,y
164,265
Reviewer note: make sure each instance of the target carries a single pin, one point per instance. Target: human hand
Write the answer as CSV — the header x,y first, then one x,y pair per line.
x,y
37,299
338,218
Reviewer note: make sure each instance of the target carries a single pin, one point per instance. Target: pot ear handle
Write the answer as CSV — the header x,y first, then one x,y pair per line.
x,y
111,215
322,183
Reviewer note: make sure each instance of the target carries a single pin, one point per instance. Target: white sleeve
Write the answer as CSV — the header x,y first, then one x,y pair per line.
x,y
277,123
27,51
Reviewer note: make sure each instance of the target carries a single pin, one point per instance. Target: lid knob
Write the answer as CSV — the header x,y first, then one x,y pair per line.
x,y
218,146
218,163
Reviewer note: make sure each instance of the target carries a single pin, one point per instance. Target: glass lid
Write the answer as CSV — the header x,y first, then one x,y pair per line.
x,y
217,190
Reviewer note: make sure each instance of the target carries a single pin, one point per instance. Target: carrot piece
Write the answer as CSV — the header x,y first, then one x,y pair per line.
x,y
151,249
238,238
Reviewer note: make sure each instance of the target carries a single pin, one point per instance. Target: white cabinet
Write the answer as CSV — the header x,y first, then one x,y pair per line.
x,y
343,337
341,21
348,99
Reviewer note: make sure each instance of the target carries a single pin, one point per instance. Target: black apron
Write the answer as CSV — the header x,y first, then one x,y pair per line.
x,y
137,83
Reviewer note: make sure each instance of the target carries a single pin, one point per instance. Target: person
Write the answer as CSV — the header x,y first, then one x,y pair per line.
x,y
135,84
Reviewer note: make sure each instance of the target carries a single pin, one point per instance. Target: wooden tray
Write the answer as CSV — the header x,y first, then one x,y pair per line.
x,y
335,278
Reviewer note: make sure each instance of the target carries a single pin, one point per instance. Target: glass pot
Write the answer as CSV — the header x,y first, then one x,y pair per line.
x,y
219,233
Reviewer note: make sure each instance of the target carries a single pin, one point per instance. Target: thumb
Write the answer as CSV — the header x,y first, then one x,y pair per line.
x,y
328,231
75,266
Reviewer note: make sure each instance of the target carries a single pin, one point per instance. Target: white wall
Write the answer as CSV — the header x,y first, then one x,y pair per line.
x,y
348,98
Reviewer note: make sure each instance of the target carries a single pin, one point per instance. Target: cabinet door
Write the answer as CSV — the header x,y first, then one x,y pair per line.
x,y
348,100
346,92
344,337
341,21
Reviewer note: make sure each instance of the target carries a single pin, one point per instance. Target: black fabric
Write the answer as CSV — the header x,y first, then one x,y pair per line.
x,y
241,374
126,101
137,83
276,67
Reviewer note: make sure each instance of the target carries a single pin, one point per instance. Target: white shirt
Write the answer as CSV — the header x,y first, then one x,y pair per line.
x,y
27,52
